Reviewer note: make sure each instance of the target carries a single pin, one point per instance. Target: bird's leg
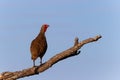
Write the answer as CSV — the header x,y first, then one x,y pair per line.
x,y
40,61
33,63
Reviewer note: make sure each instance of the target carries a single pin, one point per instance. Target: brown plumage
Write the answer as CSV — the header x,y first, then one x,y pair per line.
x,y
39,45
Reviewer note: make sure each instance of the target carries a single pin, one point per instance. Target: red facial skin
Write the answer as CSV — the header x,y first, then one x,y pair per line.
x,y
45,27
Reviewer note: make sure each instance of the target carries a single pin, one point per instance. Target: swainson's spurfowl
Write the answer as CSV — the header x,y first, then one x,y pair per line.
x,y
39,45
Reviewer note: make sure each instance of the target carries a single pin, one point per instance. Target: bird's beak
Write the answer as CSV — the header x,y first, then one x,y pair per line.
x,y
48,25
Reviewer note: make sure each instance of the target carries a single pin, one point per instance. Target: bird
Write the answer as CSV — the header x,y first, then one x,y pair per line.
x,y
39,45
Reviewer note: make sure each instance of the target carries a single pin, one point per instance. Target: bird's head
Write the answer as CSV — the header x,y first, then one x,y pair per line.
x,y
44,27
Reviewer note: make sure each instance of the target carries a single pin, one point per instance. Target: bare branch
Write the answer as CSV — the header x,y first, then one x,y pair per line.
x,y
73,51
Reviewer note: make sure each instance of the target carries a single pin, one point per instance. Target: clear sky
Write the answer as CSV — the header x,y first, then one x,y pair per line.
x,y
20,22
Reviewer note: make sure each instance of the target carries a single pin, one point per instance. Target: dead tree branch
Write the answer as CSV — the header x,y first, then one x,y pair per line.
x,y
73,51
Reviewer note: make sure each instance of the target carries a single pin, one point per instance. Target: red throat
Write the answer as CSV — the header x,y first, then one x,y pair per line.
x,y
45,28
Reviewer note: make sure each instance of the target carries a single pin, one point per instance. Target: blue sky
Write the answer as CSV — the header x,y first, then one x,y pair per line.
x,y
20,22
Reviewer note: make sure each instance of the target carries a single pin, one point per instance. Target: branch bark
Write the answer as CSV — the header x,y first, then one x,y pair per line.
x,y
73,51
